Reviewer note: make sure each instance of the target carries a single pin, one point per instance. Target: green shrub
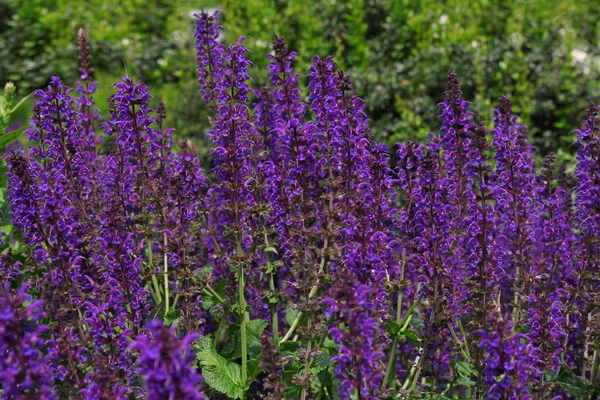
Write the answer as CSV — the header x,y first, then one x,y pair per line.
x,y
542,53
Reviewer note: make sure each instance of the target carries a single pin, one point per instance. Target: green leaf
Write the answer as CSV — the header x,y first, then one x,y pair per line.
x,y
331,345
11,137
158,310
209,300
239,311
392,327
464,381
23,100
410,335
325,385
172,316
271,299
253,370
289,346
550,375
219,373
435,396
395,330
322,361
465,369
579,391
291,314
254,347
271,249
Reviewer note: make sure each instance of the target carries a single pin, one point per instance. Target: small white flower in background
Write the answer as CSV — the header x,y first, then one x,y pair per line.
x,y
517,38
474,44
443,19
584,59
126,42
579,55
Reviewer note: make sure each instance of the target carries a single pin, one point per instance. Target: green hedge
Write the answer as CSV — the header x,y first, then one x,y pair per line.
x,y
543,53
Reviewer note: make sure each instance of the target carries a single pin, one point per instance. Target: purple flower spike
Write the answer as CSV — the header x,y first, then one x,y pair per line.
x,y
165,363
24,366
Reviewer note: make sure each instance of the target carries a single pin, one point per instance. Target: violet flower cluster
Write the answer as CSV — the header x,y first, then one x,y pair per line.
x,y
309,262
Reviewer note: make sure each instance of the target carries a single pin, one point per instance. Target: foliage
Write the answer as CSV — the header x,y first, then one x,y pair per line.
x,y
149,40
8,135
542,53
310,261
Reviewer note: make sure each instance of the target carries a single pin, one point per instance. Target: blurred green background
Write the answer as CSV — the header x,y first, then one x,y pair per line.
x,y
542,53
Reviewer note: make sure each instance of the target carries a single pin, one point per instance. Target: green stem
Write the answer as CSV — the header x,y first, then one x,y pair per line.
x,y
292,329
311,294
308,360
166,273
462,332
458,342
391,362
391,366
210,291
156,288
322,339
595,367
243,332
156,293
245,315
219,331
413,369
274,314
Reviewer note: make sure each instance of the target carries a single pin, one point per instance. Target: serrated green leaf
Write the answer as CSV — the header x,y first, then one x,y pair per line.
x,y
219,373
435,396
325,385
575,390
330,344
322,361
271,299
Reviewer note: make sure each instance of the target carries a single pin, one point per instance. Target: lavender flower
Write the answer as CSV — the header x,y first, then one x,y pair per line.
x,y
24,368
164,362
510,362
513,185
210,53
86,88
